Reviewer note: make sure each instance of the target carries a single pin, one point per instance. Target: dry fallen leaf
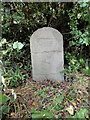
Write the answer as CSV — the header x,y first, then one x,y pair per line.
x,y
59,81
74,103
64,94
33,103
12,113
70,109
79,96
29,102
89,98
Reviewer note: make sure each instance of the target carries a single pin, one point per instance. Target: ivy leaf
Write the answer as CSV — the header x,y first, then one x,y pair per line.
x,y
18,45
15,45
3,41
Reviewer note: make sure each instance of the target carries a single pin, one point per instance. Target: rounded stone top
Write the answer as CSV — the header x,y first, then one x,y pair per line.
x,y
46,33
46,39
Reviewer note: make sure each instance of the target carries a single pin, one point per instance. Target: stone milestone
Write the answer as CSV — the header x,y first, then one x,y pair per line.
x,y
47,57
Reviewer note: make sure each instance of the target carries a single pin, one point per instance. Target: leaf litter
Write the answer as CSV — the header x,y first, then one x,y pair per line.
x,y
59,99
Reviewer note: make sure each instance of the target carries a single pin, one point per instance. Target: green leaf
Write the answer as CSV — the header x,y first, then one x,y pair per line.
x,y
4,52
0,44
58,107
58,99
84,4
14,16
81,114
43,114
3,98
44,89
18,45
3,41
86,42
12,99
5,109
75,90
6,25
81,61
39,13
43,95
49,107
15,45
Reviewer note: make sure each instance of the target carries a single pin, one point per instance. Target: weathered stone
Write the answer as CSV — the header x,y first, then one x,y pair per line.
x,y
47,54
